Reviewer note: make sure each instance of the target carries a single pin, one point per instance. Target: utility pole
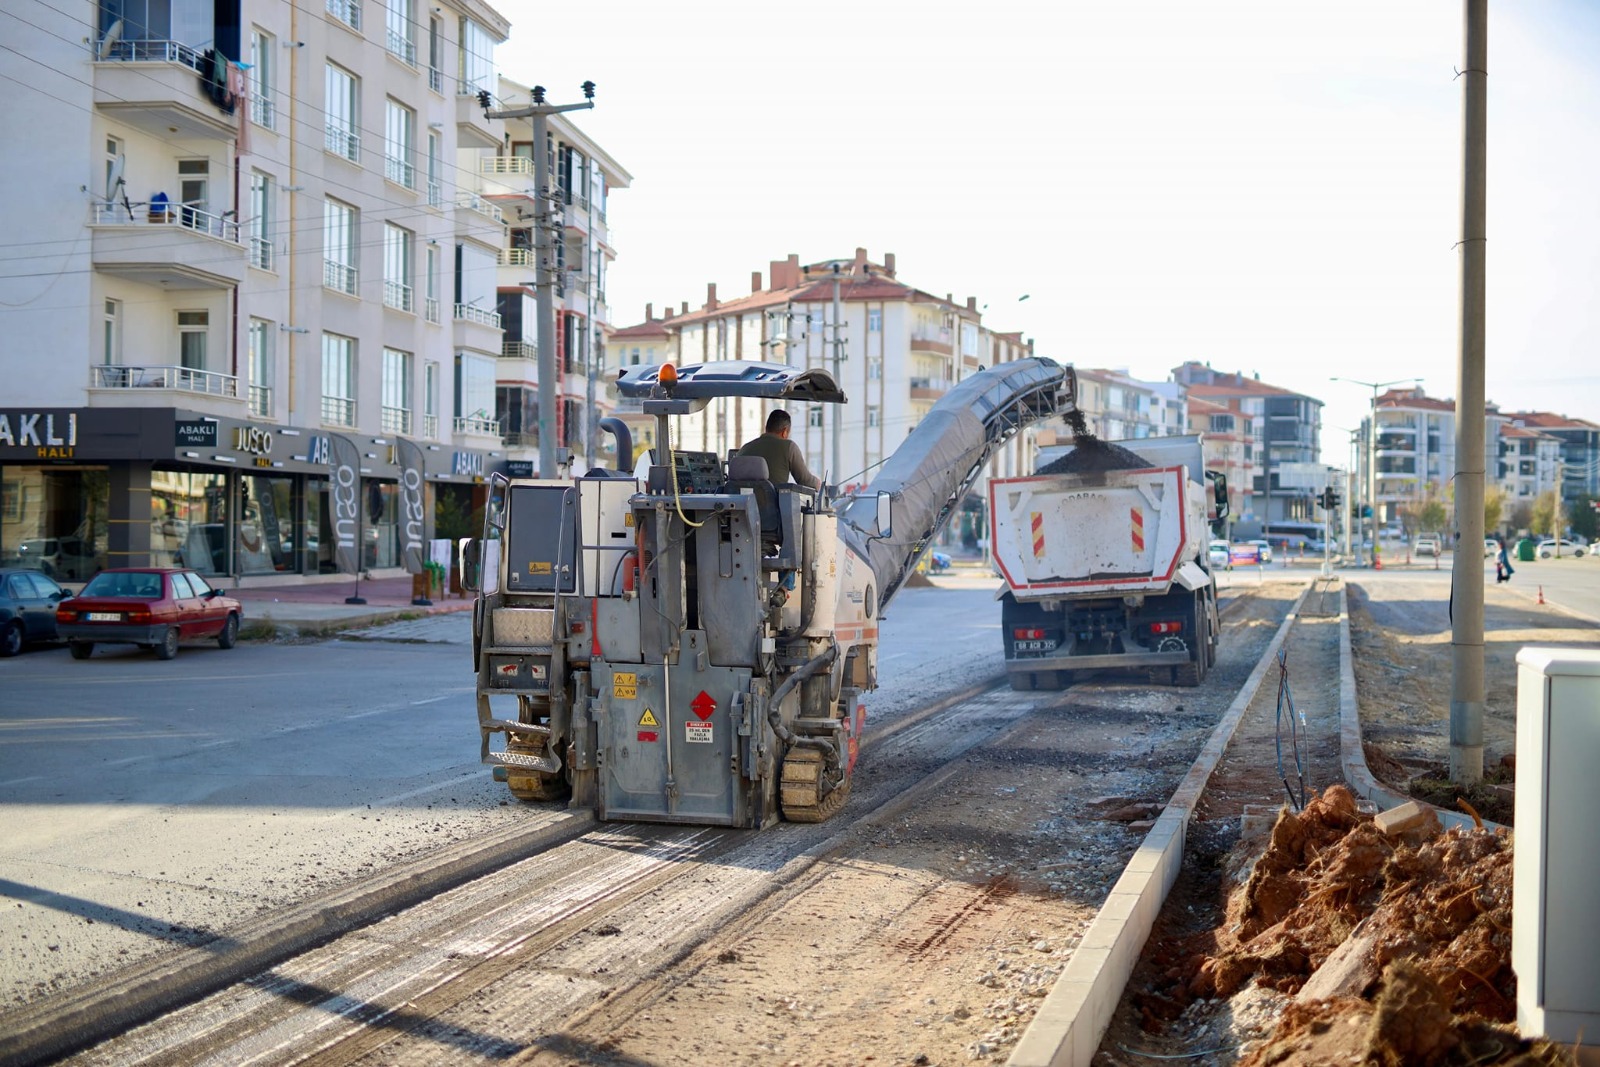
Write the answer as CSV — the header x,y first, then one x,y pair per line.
x,y
1466,635
838,342
547,217
1372,451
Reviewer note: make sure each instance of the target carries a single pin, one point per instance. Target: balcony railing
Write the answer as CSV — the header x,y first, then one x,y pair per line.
x,y
346,11
402,47
431,309
474,202
339,277
505,165
397,295
488,427
184,215
400,172
430,427
468,313
185,379
337,411
261,401
155,52
518,350
263,112
261,253
516,257
436,79
343,142
520,439
396,420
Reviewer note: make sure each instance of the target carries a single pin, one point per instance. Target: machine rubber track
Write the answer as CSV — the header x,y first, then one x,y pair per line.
x,y
801,786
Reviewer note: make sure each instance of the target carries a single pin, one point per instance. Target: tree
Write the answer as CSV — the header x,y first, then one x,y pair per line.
x,y
1432,515
1521,517
1546,516
1585,520
1494,504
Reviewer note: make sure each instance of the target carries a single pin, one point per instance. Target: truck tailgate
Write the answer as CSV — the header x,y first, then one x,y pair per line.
x,y
1116,532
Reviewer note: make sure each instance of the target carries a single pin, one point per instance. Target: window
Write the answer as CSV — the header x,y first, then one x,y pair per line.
x,y
401,36
260,338
397,267
814,418
113,159
633,357
872,417
260,221
192,327
396,391
435,55
111,333
400,128
874,320
430,282
194,195
430,399
435,186
477,58
263,55
342,111
874,369
338,380
346,11
339,247
474,386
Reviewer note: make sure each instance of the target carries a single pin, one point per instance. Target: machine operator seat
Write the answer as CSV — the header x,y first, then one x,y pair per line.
x,y
750,472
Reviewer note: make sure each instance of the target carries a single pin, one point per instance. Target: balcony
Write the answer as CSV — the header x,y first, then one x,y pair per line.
x,y
397,295
939,344
261,401
431,309
263,112
339,277
510,349
176,246
400,172
156,86
474,202
402,48
152,386
469,313
505,165
472,129
516,257
337,411
396,420
929,388
435,194
430,427
261,253
476,427
342,142
436,79
347,12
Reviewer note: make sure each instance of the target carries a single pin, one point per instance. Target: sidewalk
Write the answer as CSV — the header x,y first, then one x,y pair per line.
x,y
317,605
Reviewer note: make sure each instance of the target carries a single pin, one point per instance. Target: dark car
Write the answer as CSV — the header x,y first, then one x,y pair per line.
x,y
152,607
28,600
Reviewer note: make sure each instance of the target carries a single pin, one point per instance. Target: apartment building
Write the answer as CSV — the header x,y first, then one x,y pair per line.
x,y
894,348
248,233
1578,451
1227,445
1119,407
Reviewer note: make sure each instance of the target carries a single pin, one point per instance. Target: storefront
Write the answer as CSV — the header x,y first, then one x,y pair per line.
x,y
82,489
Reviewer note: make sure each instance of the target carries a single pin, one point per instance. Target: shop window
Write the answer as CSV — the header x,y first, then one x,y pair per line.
x,y
189,515
264,538
55,521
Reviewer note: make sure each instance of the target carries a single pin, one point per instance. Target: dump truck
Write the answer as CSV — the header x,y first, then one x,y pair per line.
x,y
1103,553
691,643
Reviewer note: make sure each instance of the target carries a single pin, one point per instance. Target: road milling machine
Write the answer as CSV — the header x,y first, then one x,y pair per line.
x,y
692,644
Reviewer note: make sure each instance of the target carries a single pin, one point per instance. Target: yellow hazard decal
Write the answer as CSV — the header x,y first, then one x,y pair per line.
x,y
648,718
539,566
627,520
625,685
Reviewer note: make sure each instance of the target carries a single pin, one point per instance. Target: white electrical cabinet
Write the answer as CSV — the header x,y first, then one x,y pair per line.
x,y
1555,936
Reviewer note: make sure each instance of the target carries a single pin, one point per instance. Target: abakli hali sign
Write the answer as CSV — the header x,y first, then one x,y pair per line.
x,y
48,436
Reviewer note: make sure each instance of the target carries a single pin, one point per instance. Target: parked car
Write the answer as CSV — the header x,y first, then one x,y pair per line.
x,y
1426,545
938,562
28,600
1265,546
1491,548
152,607
1547,549
1218,554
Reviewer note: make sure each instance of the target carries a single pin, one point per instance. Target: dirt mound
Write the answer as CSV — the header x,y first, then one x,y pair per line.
x,y
1090,455
1329,877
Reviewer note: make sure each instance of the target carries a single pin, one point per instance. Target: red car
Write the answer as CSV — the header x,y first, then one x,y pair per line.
x,y
152,607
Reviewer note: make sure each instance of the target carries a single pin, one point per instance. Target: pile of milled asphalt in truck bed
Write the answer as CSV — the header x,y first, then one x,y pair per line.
x,y
1092,455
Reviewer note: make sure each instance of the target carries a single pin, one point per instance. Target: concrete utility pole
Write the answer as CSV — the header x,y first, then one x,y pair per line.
x,y
1372,448
838,342
548,217
1466,638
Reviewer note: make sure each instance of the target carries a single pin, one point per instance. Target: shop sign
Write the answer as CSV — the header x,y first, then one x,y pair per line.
x,y
197,434
254,441
468,464
41,432
519,468
411,505
346,493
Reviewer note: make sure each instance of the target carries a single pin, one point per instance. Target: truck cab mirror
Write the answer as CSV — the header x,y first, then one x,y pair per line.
x,y
472,564
1219,494
885,516
494,511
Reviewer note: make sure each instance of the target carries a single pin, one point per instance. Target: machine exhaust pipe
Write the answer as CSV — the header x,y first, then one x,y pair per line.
x,y
624,441
788,736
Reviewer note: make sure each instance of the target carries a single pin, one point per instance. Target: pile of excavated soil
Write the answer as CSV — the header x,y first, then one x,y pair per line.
x,y
1090,455
1363,929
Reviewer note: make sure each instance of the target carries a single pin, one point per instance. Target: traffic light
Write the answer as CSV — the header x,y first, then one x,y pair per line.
x,y
483,99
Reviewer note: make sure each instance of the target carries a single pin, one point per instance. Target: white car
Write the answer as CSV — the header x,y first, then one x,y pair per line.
x,y
1547,549
1426,546
1265,546
1217,554
1491,548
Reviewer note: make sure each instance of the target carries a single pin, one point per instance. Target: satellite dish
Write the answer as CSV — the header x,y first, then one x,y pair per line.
x,y
109,41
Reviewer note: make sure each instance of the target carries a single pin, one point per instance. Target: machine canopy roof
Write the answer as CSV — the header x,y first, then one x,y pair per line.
x,y
771,381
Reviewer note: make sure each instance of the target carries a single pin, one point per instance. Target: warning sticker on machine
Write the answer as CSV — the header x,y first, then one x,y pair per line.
x,y
625,685
539,566
697,732
648,718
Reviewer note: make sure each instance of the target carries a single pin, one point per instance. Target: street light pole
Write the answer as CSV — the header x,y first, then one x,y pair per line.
x,y
546,219
838,358
1372,447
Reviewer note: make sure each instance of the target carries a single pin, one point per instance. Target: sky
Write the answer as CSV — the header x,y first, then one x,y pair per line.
x,y
1269,186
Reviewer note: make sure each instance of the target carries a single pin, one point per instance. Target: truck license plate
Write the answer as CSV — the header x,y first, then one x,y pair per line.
x,y
1036,646
104,616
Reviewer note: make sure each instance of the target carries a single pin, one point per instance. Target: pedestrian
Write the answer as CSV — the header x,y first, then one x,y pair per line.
x,y
1502,562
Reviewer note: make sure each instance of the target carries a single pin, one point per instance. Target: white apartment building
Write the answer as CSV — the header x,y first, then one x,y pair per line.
x,y
245,227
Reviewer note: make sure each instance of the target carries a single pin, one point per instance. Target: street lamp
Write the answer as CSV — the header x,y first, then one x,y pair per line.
x,y
1372,446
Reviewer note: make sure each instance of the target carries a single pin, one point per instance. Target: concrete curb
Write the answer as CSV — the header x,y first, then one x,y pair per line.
x,y
285,619
111,1005
1074,1016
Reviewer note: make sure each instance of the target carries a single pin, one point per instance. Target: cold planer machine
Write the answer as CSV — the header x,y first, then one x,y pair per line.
x,y
692,646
